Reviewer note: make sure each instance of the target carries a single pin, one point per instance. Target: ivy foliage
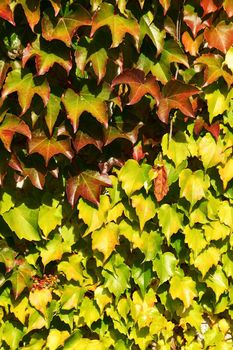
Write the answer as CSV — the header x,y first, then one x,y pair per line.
x,y
116,206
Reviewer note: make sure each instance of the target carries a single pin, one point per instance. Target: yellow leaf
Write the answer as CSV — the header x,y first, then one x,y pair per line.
x,y
40,298
105,239
183,288
226,172
56,338
207,259
145,208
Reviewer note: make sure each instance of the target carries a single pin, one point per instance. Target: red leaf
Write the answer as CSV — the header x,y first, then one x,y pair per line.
x,y
208,6
82,139
176,95
49,147
228,7
220,37
88,185
139,85
14,163
9,127
160,182
198,126
5,11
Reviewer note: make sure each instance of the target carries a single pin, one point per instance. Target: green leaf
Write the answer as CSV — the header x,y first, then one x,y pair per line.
x,y
147,27
204,261
7,256
133,176
24,222
49,218
217,104
150,244
176,148
193,185
75,104
21,278
102,297
170,220
105,239
142,276
183,288
218,282
20,81
6,202
89,311
116,275
164,265
118,24
11,335
52,110
99,62
172,52
39,299
146,205
86,344
35,321
94,217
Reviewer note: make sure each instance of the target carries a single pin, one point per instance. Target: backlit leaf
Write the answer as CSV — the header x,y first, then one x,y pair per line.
x,y
164,265
118,24
133,176
22,81
48,148
71,296
72,268
193,185
105,239
87,185
49,217
56,338
53,250
217,103
139,85
207,259
176,148
226,172
211,152
11,335
89,311
64,28
183,288
169,219
176,95
146,205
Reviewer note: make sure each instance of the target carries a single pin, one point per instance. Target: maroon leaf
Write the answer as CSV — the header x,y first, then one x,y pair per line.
x,y
14,163
176,95
9,127
88,185
139,85
220,37
214,129
49,147
160,182
198,126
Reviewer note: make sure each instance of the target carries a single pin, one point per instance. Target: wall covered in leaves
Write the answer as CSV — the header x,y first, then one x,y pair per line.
x,y
116,168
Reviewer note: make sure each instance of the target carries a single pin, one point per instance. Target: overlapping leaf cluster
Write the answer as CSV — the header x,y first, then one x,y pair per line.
x,y
116,169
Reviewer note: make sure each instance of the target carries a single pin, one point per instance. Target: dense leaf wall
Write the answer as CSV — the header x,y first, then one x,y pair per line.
x,y
116,170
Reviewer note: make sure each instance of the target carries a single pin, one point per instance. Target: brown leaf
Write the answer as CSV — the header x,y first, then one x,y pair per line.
x,y
160,182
